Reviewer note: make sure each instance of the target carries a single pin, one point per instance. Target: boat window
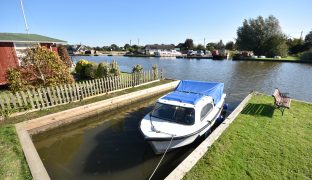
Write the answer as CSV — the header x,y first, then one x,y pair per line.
x,y
177,114
206,109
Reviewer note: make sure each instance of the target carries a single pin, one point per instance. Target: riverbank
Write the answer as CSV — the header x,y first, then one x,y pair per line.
x,y
12,162
261,144
290,59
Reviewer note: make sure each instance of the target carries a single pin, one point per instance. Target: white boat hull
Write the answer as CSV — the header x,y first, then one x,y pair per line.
x,y
159,145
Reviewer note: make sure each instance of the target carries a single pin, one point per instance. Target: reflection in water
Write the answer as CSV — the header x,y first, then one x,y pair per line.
x,y
107,146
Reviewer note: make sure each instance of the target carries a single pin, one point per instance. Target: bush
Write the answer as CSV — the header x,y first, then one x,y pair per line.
x,y
137,69
62,52
307,55
40,68
81,67
16,81
102,70
90,70
114,69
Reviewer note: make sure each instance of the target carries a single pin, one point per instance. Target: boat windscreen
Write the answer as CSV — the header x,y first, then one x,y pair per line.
x,y
177,114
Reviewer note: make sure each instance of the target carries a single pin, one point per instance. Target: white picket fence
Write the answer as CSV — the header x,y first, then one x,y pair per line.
x,y
41,98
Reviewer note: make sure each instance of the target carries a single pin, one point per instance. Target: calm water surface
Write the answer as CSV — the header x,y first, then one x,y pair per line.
x,y
110,145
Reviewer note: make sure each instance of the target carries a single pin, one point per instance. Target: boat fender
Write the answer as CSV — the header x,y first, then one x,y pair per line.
x,y
220,118
225,106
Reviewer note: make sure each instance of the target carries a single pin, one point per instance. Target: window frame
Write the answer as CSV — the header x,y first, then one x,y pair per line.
x,y
212,106
172,120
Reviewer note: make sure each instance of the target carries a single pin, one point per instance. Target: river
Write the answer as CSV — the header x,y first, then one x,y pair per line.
x,y
110,146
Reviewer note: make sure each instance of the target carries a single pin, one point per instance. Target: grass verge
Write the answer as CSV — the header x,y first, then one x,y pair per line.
x,y
13,164
261,144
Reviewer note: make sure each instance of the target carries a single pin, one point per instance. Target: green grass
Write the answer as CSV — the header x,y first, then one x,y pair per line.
x,y
289,58
13,164
261,144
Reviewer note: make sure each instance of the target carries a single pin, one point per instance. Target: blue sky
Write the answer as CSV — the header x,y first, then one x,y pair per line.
x,y
98,23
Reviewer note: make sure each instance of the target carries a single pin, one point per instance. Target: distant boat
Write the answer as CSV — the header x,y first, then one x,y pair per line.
x,y
183,115
172,53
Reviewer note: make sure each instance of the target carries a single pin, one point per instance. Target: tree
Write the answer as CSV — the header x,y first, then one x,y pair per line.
x,y
189,44
211,46
308,41
199,47
307,55
220,45
40,67
230,45
63,53
127,46
181,46
256,34
295,45
114,47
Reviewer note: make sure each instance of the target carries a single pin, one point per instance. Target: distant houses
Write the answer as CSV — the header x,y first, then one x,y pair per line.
x,y
152,49
13,44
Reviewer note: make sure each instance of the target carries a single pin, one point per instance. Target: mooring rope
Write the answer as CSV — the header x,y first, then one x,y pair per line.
x,y
161,159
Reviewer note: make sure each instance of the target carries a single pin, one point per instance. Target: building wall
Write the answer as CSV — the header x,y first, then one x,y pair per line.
x,y
7,59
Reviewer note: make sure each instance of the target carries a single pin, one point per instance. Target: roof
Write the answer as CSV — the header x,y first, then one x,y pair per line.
x,y
162,46
20,37
192,91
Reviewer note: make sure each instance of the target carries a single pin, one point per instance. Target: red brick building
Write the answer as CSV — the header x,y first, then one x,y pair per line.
x,y
12,44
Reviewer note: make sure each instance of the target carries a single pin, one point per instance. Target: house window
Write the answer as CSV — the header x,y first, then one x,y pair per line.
x,y
206,109
20,49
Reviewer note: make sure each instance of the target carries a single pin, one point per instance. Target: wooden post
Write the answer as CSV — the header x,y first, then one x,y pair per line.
x,y
62,91
50,97
1,103
31,100
24,99
40,98
45,97
70,92
18,97
8,103
66,93
60,98
53,95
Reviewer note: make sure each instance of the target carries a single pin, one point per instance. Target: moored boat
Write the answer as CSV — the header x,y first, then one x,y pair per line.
x,y
181,116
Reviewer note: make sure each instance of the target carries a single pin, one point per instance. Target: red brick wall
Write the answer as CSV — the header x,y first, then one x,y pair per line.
x,y
7,59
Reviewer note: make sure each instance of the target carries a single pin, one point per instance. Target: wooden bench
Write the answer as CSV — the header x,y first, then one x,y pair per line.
x,y
281,100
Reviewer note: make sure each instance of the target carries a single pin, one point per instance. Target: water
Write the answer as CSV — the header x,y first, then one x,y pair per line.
x,y
239,77
107,146
110,145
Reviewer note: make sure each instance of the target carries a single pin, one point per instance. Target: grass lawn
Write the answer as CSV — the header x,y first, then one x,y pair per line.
x,y
261,144
290,58
13,164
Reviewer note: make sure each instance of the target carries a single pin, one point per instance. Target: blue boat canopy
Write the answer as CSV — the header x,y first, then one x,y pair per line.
x,y
192,91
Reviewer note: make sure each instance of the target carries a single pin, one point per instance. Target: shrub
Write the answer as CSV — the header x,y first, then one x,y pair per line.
x,y
102,70
81,67
90,70
114,69
307,55
16,81
62,52
137,69
39,67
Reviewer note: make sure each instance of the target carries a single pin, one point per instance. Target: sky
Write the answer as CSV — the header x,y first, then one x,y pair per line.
x,y
104,22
